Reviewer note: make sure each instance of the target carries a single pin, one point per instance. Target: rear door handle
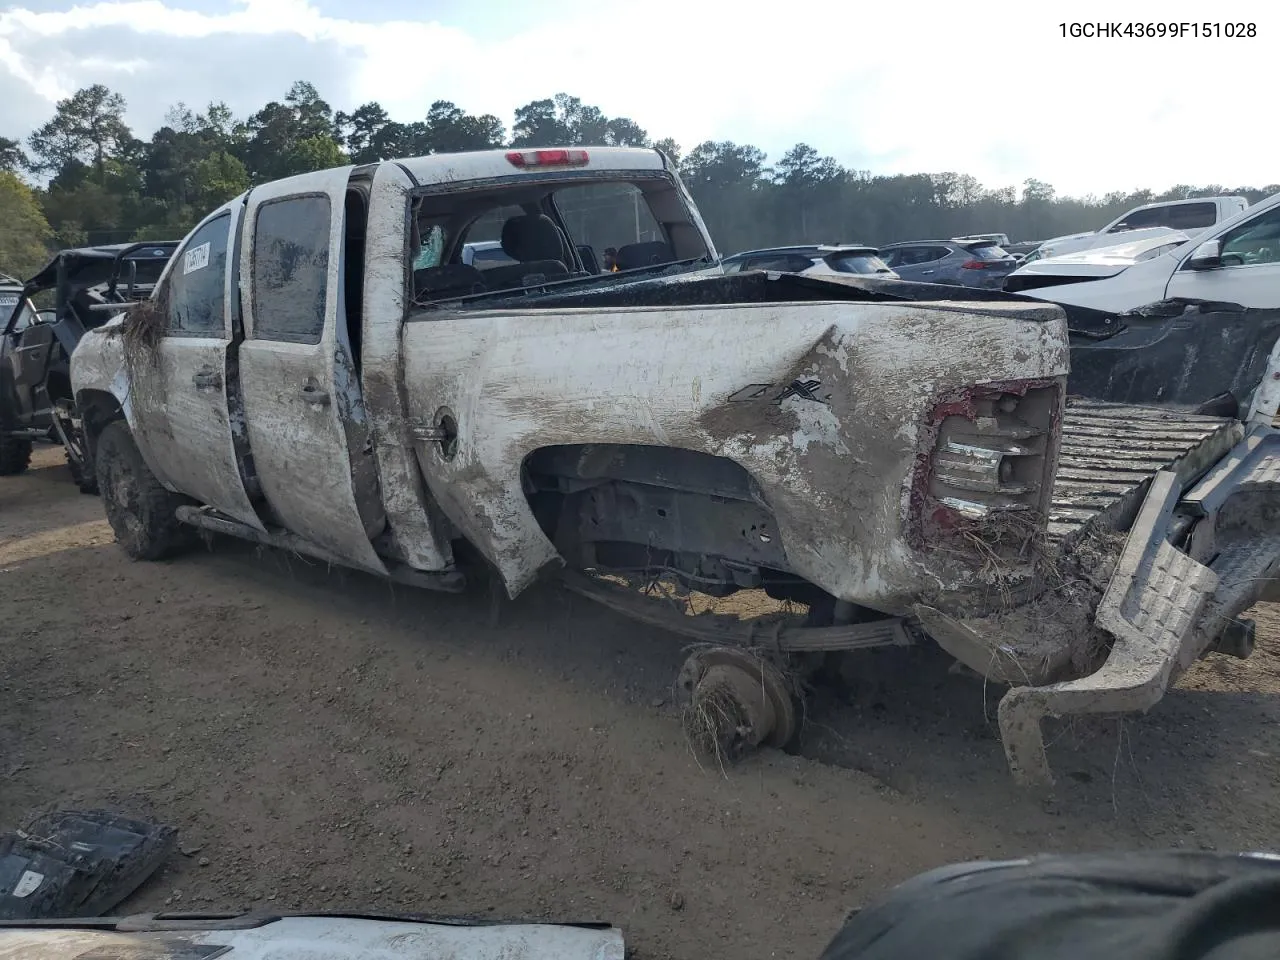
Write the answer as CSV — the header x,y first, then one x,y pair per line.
x,y
311,394
207,379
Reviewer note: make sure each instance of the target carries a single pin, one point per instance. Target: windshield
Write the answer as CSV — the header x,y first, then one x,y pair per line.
x,y
857,263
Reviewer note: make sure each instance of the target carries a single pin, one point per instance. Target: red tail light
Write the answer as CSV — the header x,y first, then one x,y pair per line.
x,y
528,159
976,265
988,451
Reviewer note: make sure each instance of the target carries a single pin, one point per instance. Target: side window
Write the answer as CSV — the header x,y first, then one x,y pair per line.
x,y
1257,241
197,283
1191,216
1140,219
291,269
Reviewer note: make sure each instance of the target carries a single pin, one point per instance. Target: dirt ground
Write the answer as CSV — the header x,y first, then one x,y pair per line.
x,y
322,740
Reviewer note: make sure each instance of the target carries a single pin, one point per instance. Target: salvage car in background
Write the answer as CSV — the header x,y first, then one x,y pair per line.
x,y
1188,216
35,348
982,264
812,260
1237,262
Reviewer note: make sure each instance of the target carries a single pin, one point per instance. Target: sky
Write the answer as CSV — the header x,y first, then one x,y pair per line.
x,y
989,88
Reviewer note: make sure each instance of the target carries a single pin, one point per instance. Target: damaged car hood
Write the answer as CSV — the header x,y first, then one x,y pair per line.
x,y
1080,242
176,937
1109,260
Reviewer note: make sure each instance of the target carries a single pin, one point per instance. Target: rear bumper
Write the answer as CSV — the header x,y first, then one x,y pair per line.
x,y
1166,605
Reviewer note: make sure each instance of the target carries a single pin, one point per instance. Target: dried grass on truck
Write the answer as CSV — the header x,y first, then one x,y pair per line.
x,y
1047,591
143,325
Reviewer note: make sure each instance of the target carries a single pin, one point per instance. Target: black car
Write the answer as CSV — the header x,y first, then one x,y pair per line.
x,y
36,403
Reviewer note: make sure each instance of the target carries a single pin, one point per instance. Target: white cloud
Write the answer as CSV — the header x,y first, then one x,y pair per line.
x,y
988,89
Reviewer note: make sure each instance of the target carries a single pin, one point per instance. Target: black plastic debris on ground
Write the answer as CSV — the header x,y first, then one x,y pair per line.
x,y
77,864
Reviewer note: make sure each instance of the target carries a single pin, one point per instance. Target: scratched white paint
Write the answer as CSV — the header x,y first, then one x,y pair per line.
x,y
185,430
836,477
403,495
1266,399
300,448
488,164
835,481
331,938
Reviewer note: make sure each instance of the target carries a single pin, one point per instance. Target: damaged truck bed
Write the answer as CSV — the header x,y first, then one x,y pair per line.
x,y
883,462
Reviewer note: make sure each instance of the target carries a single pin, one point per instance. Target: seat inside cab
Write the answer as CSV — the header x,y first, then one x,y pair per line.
x,y
523,235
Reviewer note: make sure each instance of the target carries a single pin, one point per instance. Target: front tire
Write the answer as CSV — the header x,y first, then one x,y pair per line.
x,y
15,455
141,511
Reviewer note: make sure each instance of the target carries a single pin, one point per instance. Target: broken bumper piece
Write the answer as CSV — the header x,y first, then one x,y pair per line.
x,y
1164,607
313,937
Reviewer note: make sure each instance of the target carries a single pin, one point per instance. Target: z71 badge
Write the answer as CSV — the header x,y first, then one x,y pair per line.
x,y
800,389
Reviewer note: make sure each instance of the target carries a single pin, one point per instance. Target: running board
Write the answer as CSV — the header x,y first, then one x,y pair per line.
x,y
445,581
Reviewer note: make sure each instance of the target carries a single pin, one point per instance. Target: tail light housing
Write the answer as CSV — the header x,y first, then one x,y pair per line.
x,y
533,159
977,264
988,454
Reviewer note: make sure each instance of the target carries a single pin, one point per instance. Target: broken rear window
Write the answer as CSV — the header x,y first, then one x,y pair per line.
x,y
537,233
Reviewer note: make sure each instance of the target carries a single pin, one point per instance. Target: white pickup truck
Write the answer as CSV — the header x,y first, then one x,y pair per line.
x,y
1191,217
318,370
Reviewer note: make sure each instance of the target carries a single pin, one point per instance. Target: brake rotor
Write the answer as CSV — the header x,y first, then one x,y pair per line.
x,y
736,700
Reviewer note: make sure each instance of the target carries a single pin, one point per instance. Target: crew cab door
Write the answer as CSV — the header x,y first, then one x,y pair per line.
x,y
304,413
183,420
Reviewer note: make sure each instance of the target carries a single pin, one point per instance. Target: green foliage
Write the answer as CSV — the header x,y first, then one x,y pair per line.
x,y
12,159
315,153
24,231
87,127
104,185
219,177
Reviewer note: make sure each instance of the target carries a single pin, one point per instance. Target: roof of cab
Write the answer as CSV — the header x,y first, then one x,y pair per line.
x,y
488,164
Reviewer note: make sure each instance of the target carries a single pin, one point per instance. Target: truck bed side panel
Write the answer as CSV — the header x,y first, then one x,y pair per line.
x,y
822,404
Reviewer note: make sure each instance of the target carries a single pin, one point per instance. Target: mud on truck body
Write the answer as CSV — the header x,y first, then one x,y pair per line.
x,y
318,370
36,401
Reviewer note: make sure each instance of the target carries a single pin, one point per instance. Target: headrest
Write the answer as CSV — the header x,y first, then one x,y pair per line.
x,y
532,237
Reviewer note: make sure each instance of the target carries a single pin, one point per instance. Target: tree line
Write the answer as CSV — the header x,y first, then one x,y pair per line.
x,y
84,177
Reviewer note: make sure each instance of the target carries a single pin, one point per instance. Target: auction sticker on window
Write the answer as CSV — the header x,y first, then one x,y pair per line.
x,y
197,258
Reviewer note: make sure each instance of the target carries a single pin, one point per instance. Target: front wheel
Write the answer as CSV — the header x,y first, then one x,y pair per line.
x,y
141,511
15,455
